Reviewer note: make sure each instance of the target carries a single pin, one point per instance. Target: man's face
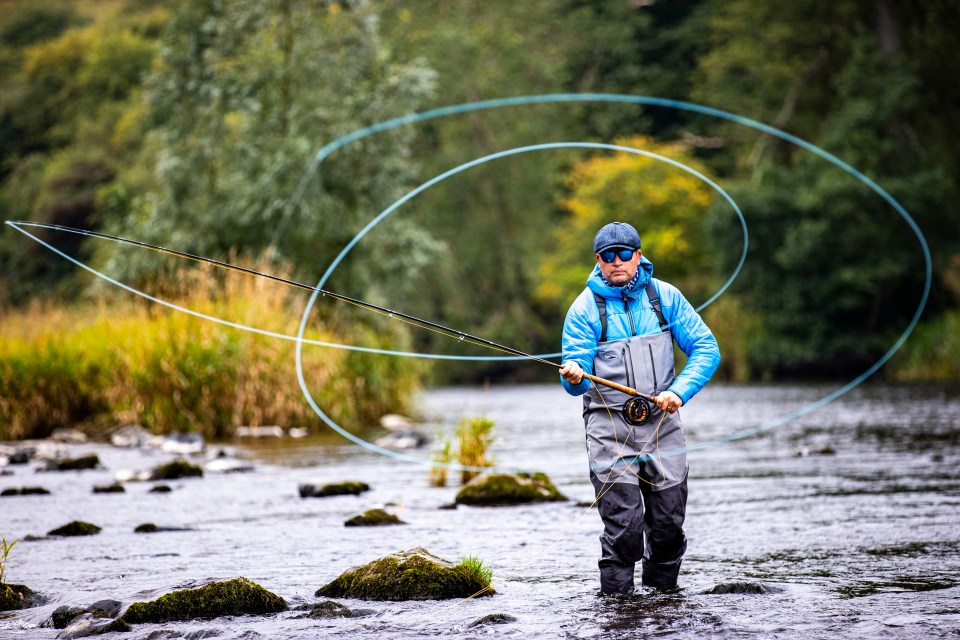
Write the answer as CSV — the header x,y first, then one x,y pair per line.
x,y
619,272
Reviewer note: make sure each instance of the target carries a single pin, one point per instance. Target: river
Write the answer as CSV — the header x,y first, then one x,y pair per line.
x,y
848,515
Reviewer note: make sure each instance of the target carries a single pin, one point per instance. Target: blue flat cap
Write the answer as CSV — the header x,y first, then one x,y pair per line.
x,y
616,234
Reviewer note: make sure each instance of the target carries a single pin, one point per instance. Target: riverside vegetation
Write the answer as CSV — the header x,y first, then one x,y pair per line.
x,y
473,437
114,360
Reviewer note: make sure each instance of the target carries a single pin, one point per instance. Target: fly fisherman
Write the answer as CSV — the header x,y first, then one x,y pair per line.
x,y
622,328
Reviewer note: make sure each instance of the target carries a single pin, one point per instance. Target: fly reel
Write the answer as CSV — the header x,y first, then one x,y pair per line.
x,y
636,411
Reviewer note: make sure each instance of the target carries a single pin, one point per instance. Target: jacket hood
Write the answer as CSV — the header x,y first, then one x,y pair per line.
x,y
596,283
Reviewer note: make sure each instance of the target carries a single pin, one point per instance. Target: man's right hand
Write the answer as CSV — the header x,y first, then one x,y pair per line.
x,y
571,372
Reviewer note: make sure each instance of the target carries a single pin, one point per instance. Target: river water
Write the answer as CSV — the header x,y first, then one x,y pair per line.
x,y
848,515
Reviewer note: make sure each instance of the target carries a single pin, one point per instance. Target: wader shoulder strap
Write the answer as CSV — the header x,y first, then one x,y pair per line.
x,y
657,309
602,308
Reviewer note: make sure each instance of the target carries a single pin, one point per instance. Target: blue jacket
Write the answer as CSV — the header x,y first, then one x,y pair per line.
x,y
581,329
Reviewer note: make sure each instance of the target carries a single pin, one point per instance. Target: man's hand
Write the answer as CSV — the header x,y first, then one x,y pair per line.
x,y
668,401
572,372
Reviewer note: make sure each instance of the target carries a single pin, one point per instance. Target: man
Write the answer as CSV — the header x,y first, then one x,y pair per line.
x,y
622,328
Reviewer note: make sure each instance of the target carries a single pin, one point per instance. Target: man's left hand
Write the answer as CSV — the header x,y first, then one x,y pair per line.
x,y
668,401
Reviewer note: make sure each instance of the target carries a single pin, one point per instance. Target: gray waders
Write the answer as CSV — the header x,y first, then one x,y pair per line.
x,y
642,497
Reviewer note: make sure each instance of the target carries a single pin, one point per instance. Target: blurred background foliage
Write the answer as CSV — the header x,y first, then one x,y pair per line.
x,y
193,125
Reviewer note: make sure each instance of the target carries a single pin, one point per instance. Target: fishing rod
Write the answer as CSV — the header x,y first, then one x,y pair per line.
x,y
637,410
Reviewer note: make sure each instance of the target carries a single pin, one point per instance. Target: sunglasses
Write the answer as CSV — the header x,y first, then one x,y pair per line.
x,y
610,255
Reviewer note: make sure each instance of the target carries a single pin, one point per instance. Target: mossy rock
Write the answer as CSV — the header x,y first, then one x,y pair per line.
x,y
415,574
76,528
175,470
349,488
15,596
373,518
147,527
235,597
25,491
503,489
91,461
116,487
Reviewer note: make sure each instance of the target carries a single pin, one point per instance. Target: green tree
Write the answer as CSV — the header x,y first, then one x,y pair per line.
x,y
667,205
243,95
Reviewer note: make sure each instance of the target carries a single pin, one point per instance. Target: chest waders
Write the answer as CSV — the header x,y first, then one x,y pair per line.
x,y
643,497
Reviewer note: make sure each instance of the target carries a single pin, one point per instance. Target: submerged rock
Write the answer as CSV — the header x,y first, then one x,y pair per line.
x,y
91,461
88,624
349,488
175,470
235,597
116,487
63,616
75,528
25,491
493,618
15,596
373,518
149,527
402,439
160,488
741,587
502,489
415,574
330,609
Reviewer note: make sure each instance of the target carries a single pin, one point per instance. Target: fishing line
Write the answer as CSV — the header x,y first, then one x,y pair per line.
x,y
463,167
680,105
561,98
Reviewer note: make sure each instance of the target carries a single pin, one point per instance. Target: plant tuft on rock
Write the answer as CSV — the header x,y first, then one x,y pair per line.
x,y
226,598
415,574
503,489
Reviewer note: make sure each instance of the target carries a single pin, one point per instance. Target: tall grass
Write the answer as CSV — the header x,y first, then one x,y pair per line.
x,y
440,456
120,360
474,437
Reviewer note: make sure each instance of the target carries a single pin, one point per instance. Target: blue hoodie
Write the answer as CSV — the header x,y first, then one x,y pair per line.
x,y
581,329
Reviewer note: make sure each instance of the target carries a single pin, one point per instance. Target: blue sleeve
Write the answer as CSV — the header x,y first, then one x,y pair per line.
x,y
694,338
580,335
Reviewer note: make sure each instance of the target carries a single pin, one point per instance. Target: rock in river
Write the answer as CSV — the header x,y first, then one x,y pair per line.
x,y
175,470
348,488
415,574
75,528
373,518
742,587
501,489
15,596
235,597
91,461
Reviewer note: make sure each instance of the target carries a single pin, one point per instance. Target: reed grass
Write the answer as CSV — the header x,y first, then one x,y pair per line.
x,y
5,549
440,456
474,437
117,360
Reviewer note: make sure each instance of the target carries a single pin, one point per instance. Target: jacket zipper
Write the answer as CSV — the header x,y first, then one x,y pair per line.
x,y
628,364
626,305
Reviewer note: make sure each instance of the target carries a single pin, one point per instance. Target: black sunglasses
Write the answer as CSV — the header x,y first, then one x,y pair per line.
x,y
609,255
